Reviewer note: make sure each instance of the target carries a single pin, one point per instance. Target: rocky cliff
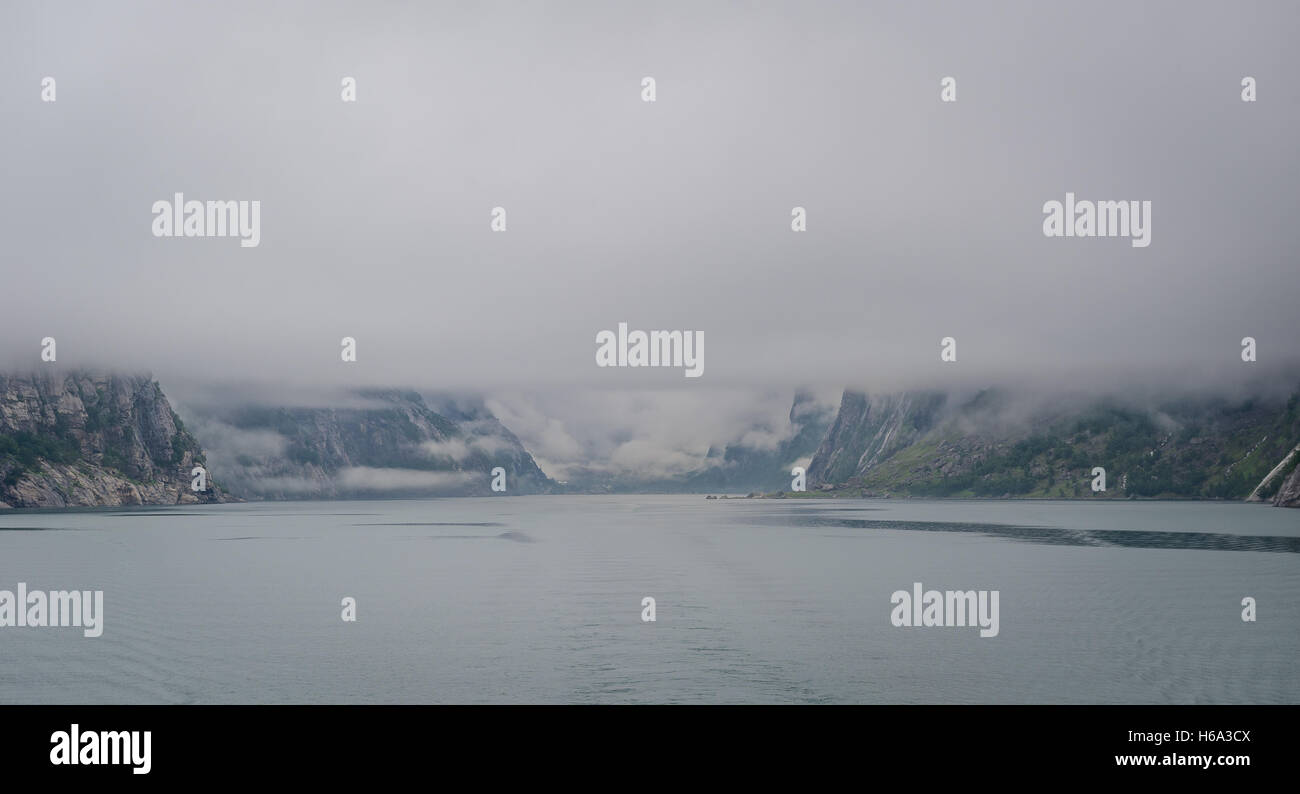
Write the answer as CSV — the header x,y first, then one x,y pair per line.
x,y
869,430
82,440
995,444
1288,495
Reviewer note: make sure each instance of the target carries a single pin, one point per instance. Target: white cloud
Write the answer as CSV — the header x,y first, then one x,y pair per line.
x,y
363,478
453,448
652,433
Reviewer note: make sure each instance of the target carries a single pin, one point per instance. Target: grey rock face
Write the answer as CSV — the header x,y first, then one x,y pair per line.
x,y
868,429
387,443
1289,494
91,440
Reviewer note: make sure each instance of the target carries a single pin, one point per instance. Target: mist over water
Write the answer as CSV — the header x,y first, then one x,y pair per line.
x,y
538,599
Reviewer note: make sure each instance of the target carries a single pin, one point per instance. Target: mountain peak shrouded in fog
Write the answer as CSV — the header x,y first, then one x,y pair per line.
x,y
396,444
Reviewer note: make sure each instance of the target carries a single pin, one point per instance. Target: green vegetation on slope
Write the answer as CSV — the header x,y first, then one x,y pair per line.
x,y
1208,449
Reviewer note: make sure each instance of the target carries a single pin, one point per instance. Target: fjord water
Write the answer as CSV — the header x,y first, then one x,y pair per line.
x,y
538,599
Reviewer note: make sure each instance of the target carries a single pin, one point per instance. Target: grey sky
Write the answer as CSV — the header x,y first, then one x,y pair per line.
x,y
924,217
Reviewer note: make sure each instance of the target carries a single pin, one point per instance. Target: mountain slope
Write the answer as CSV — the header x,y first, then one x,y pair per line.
x,y
1288,493
993,445
81,440
385,444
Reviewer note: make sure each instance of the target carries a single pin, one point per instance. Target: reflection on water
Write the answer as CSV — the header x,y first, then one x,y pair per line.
x,y
435,524
1207,541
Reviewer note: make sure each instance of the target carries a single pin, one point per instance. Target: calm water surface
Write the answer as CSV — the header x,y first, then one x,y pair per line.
x,y
538,599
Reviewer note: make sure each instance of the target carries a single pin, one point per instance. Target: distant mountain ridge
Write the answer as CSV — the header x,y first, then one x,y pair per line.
x,y
84,439
392,444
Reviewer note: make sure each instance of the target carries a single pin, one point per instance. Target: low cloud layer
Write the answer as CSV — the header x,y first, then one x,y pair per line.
x,y
650,434
363,478
459,449
924,218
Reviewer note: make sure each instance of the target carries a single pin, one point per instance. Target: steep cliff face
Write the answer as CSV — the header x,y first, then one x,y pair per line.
x,y
85,440
868,430
1289,494
386,444
998,445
